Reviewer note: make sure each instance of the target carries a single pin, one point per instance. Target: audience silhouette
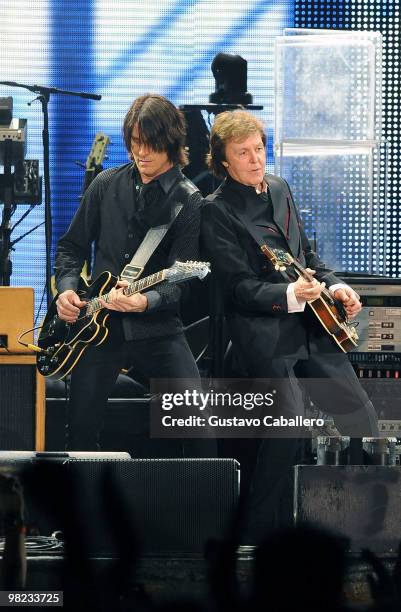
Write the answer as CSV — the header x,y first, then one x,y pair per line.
x,y
298,568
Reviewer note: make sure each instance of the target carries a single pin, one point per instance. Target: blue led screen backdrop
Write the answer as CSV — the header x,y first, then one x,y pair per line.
x,y
119,50
125,48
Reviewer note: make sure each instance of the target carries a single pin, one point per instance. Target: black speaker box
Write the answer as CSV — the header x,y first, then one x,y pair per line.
x,y
173,505
361,503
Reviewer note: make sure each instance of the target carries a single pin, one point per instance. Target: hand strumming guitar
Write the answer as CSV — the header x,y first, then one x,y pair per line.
x,y
123,303
350,300
68,305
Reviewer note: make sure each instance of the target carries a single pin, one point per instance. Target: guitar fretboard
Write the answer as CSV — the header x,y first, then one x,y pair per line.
x,y
94,305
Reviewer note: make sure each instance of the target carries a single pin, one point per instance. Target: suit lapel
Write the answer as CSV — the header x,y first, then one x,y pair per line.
x,y
284,213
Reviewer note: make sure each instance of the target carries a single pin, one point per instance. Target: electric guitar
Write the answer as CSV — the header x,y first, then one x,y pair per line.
x,y
61,344
329,311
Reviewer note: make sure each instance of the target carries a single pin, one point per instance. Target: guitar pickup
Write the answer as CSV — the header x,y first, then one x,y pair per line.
x,y
131,273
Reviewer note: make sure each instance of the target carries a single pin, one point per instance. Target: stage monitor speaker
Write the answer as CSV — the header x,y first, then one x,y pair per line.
x,y
174,505
361,503
16,316
22,404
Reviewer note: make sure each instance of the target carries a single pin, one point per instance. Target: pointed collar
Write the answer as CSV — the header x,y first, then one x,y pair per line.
x,y
165,180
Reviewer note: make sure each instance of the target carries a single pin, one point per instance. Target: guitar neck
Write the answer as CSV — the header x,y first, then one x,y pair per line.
x,y
95,305
144,283
309,277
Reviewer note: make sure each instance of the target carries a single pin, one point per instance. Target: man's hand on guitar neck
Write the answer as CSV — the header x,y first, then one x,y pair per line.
x,y
68,306
308,290
120,302
349,299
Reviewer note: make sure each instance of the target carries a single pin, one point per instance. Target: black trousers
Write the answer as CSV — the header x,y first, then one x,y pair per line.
x,y
332,385
94,377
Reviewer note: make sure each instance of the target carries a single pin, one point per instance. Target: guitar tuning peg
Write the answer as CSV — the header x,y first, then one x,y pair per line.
x,y
277,268
282,268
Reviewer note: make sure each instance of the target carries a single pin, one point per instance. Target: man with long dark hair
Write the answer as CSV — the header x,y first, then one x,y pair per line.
x,y
117,210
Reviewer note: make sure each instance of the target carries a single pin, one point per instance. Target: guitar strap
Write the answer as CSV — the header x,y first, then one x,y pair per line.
x,y
149,244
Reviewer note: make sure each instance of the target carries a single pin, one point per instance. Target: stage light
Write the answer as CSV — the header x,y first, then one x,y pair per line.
x,y
230,74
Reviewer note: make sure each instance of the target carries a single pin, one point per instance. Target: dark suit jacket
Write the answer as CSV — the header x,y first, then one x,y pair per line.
x,y
254,292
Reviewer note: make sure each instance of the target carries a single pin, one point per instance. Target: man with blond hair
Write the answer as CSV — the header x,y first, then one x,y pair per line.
x,y
274,335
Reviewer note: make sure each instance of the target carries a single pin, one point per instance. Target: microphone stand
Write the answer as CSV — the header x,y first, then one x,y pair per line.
x,y
44,97
5,227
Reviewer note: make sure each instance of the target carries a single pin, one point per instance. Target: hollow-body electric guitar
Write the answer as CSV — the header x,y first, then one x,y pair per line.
x,y
62,343
329,311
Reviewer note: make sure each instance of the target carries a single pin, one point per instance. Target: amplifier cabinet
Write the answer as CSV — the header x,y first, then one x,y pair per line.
x,y
16,316
362,503
22,404
174,505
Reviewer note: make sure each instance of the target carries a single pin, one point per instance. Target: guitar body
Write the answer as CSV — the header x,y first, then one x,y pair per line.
x,y
63,342
331,317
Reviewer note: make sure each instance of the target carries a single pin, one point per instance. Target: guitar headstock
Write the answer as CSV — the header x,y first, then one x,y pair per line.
x,y
279,258
98,151
183,270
